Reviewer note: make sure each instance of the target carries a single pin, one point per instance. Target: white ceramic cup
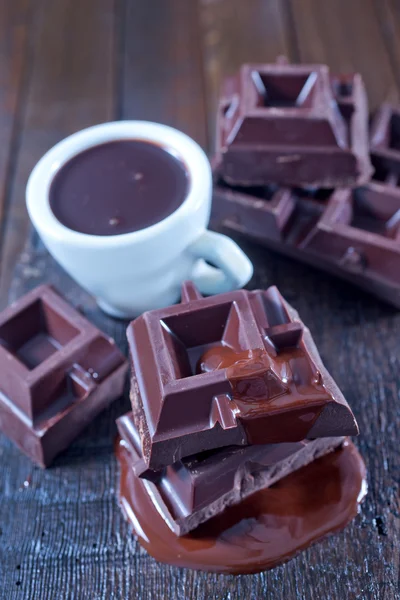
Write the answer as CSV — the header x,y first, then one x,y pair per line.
x,y
142,270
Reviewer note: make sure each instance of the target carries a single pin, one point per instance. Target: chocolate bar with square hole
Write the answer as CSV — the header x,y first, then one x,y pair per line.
x,y
235,369
292,125
57,372
199,487
351,233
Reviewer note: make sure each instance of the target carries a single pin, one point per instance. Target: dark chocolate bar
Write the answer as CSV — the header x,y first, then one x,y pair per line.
x,y
57,372
234,369
385,144
197,488
354,234
293,125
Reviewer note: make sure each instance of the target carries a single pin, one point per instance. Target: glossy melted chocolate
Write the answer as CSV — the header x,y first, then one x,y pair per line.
x,y
234,369
118,187
253,386
264,530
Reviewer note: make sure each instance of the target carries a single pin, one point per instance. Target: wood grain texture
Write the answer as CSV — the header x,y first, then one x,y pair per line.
x,y
162,65
388,16
62,535
14,20
347,35
69,85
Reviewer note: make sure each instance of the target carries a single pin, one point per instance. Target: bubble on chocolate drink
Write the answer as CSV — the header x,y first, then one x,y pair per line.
x,y
114,221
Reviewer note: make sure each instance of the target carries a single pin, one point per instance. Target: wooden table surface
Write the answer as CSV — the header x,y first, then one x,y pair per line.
x,y
67,64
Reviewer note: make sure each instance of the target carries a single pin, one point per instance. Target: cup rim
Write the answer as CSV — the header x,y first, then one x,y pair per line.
x,y
41,177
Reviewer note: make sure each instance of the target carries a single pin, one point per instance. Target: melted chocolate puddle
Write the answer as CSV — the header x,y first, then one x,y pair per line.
x,y
264,530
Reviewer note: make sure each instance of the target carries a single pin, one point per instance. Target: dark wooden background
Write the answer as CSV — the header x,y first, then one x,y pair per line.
x,y
67,64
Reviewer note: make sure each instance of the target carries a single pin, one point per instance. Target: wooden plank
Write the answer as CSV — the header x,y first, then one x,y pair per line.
x,y
388,15
347,36
161,69
72,540
14,22
69,86
235,32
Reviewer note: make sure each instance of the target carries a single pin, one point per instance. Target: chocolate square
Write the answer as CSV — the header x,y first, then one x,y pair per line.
x,y
351,233
360,230
57,372
292,125
234,369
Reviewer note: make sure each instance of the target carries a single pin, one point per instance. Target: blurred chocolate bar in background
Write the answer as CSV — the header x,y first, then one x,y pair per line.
x,y
385,144
351,232
292,125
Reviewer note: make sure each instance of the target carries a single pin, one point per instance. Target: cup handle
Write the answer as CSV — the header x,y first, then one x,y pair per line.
x,y
232,267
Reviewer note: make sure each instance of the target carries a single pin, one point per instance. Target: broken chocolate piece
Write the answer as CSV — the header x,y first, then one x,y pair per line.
x,y
234,369
292,125
265,529
199,487
57,372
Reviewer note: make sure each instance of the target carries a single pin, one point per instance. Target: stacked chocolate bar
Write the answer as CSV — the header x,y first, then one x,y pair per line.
x,y
228,395
293,171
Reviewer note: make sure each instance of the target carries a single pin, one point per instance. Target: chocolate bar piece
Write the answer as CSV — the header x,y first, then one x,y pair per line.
x,y
197,488
354,234
234,369
385,144
292,125
57,372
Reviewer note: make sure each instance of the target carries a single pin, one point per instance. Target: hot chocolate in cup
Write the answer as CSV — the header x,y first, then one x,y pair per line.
x,y
124,208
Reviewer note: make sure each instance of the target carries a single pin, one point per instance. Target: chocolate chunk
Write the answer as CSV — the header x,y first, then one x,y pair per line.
x,y
57,372
199,487
354,234
292,125
234,369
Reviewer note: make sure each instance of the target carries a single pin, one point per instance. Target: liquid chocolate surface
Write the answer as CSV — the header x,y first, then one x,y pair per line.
x,y
262,531
118,187
250,394
195,489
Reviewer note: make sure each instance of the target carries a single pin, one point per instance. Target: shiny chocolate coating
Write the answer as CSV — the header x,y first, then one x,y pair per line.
x,y
234,369
265,529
